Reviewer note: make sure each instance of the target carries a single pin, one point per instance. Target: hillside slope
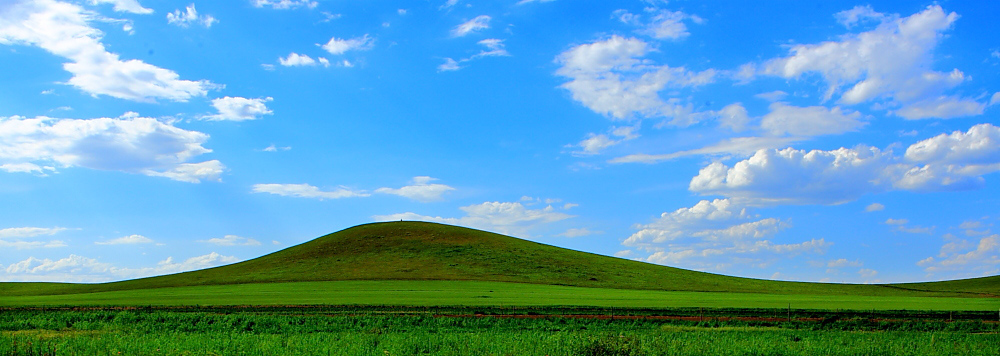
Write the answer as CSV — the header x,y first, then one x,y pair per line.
x,y
429,251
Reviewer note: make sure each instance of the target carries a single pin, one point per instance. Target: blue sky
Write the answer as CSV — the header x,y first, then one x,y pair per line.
x,y
841,142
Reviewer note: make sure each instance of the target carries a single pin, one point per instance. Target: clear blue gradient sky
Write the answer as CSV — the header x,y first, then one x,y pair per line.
x,y
841,141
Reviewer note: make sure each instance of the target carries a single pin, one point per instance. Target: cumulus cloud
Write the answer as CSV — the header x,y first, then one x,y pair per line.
x,y
611,78
503,217
190,16
421,190
127,240
132,6
295,59
889,64
307,191
714,235
285,4
77,268
946,162
129,143
232,240
15,237
959,258
809,121
239,108
479,23
64,30
337,46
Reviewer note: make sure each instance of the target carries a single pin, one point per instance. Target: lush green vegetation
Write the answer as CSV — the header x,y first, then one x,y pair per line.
x,y
442,293
454,331
417,251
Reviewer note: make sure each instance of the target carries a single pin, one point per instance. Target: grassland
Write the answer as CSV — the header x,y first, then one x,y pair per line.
x,y
392,279
474,293
410,332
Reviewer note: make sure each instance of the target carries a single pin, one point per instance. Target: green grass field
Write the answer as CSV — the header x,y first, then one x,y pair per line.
x,y
454,293
385,273
234,331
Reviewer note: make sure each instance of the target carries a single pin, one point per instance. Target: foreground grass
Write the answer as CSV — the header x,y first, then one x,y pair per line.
x,y
108,332
471,293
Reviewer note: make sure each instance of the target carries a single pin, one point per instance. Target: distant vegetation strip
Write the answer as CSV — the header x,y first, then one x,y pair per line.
x,y
474,293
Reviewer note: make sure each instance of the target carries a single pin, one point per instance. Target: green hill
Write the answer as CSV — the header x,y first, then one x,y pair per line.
x,y
429,251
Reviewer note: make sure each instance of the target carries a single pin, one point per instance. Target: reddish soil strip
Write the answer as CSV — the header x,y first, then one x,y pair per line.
x,y
626,317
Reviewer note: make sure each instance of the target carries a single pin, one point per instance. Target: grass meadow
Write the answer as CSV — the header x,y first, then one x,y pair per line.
x,y
476,293
485,331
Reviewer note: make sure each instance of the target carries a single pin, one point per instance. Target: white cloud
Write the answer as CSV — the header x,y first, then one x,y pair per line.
x,y
307,191
232,240
772,96
295,59
809,121
448,4
663,24
127,240
888,64
578,232
851,17
595,143
189,16
957,258
192,172
63,29
273,148
734,116
285,4
24,232
843,262
799,176
82,269
874,207
715,235
129,144
239,108
14,237
494,48
502,217
421,190
946,162
449,65
892,221
522,2
741,146
481,22
611,78
976,150
337,46
132,6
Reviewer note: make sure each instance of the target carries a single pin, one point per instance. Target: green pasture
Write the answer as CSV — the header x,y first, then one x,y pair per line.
x,y
476,293
234,332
